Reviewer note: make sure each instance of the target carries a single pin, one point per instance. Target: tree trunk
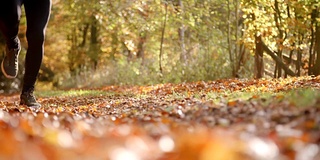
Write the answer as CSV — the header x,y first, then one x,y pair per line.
x,y
162,36
258,57
299,56
182,29
114,43
236,48
141,46
312,41
316,68
84,35
231,56
94,48
73,52
278,69
277,19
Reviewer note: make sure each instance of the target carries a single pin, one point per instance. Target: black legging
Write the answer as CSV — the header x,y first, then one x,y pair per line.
x,y
37,15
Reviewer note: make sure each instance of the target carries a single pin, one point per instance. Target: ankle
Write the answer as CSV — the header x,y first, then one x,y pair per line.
x,y
14,44
28,89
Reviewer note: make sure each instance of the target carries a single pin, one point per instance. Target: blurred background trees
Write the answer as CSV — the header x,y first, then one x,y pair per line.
x,y
135,42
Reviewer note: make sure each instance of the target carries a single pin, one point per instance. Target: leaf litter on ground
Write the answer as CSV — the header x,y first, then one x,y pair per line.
x,y
224,119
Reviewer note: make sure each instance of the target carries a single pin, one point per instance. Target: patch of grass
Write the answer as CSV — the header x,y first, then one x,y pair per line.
x,y
303,97
223,96
72,93
237,95
179,96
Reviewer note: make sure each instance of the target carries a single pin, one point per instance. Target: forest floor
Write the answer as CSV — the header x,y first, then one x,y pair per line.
x,y
225,119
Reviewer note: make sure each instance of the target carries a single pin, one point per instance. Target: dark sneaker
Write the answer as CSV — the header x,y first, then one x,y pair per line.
x,y
27,98
9,65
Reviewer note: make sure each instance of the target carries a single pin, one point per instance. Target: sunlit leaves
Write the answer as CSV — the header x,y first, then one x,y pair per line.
x,y
291,19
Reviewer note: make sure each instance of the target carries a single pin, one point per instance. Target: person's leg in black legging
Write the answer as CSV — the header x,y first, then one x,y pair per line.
x,y
10,12
37,15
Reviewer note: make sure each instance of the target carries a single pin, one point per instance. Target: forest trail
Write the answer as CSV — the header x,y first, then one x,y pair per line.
x,y
224,119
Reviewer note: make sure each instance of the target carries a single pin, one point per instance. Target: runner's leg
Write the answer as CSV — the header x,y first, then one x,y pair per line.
x,y
37,15
10,13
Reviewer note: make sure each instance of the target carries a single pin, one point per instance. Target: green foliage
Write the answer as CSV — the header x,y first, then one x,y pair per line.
x,y
124,72
200,68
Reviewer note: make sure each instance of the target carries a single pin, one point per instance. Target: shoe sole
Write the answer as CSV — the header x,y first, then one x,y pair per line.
x,y
32,106
22,102
4,72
